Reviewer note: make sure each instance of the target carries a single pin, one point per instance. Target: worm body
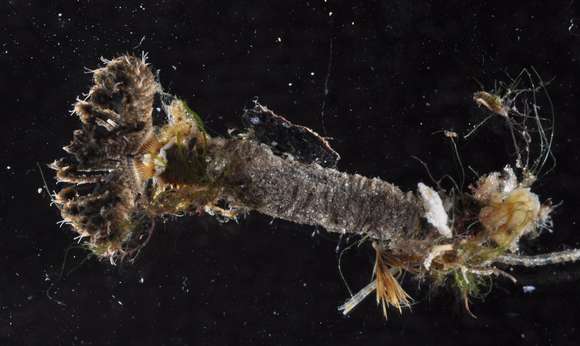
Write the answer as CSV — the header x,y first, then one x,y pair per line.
x,y
123,173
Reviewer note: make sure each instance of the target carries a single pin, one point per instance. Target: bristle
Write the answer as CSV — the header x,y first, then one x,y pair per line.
x,y
143,171
389,291
150,144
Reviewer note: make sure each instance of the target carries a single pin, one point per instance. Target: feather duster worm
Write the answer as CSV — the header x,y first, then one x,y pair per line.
x,y
123,173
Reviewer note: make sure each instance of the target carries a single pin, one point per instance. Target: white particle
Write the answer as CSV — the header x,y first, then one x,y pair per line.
x,y
8,167
312,73
279,39
351,23
60,14
528,289
141,280
290,84
434,211
330,14
39,190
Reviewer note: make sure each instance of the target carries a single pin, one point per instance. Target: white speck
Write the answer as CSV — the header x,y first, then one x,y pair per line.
x,y
290,84
60,14
312,73
279,39
528,289
120,302
330,14
141,280
351,23
39,190
8,168
510,182
174,68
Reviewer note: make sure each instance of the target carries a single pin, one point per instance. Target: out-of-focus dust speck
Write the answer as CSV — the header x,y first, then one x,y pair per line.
x,y
573,27
185,284
528,289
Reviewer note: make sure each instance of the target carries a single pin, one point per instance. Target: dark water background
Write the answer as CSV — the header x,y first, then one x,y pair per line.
x,y
395,72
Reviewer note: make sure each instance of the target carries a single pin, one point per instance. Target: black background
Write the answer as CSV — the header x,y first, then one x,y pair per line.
x,y
399,71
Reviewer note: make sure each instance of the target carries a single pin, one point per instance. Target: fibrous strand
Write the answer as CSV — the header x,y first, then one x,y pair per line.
x,y
566,256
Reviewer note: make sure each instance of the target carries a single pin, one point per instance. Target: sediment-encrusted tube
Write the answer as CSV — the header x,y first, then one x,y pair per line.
x,y
285,188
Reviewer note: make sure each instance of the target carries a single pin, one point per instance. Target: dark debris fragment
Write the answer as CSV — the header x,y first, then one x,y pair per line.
x,y
284,137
